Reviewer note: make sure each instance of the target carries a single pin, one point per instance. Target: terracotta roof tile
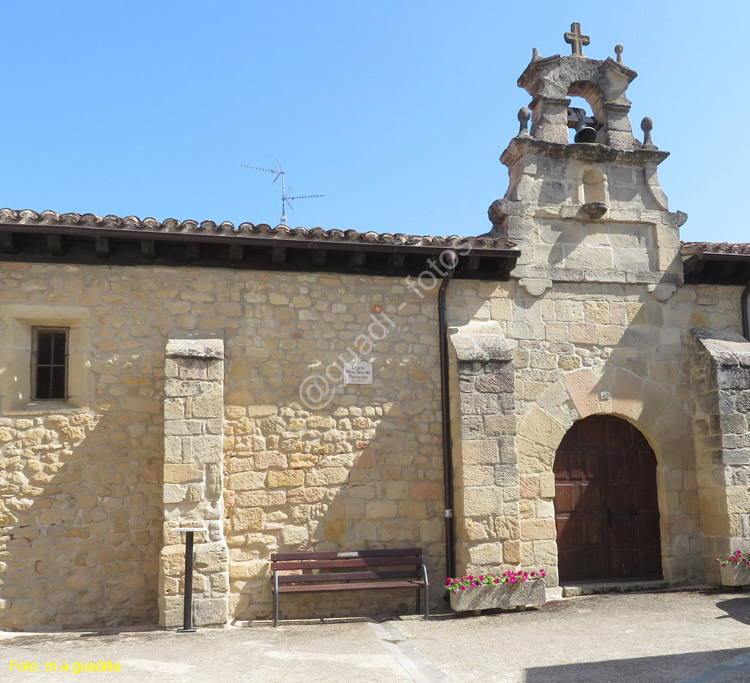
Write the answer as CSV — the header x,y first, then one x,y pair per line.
x,y
248,230
689,248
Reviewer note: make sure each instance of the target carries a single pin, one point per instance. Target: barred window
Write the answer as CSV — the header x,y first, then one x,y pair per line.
x,y
49,363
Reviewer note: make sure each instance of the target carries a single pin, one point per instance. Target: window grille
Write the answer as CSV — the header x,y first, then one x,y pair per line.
x,y
49,363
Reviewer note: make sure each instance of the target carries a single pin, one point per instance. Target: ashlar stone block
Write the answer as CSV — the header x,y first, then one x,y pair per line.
x,y
481,501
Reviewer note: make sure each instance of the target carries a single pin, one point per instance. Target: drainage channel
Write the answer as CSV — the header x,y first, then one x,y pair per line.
x,y
421,669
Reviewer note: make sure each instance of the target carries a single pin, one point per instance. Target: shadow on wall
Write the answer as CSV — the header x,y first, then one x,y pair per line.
x,y
615,247
353,477
81,510
365,471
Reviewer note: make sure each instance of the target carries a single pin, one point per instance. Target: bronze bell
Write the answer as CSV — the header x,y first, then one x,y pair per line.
x,y
584,133
585,126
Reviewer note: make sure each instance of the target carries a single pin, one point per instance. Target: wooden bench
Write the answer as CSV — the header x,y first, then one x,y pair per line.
x,y
349,571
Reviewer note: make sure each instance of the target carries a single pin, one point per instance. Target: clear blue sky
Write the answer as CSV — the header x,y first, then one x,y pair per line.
x,y
396,111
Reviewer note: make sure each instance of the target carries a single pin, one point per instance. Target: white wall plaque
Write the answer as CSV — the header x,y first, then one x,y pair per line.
x,y
358,373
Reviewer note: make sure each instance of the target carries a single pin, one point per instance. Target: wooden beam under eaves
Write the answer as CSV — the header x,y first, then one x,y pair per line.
x,y
319,257
504,269
471,263
8,243
724,268
101,246
396,261
148,249
55,245
694,264
278,255
358,259
236,252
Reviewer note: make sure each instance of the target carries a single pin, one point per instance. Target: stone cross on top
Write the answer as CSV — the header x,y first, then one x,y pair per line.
x,y
575,39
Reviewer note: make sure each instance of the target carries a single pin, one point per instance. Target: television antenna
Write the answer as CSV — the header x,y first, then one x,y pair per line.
x,y
286,193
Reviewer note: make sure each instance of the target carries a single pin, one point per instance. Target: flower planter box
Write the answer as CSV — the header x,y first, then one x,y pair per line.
x,y
735,575
501,596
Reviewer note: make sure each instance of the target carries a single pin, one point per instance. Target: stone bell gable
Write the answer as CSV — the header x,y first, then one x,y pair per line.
x,y
591,211
602,83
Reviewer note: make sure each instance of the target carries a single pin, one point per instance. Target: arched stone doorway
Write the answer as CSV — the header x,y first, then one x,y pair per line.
x,y
606,509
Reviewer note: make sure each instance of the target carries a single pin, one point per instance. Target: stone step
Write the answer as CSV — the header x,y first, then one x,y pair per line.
x,y
598,587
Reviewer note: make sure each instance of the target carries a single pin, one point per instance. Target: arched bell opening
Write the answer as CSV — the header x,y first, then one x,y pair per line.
x,y
606,507
586,114
582,126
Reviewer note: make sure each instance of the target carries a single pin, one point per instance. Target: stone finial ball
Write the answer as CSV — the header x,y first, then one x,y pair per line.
x,y
524,115
618,50
647,125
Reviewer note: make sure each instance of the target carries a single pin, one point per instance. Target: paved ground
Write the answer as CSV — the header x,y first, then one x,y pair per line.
x,y
693,636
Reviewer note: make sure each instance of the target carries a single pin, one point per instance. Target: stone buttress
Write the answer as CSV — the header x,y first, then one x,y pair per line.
x,y
193,471
721,421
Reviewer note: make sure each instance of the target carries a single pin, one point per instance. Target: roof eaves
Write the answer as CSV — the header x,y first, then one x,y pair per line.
x,y
195,230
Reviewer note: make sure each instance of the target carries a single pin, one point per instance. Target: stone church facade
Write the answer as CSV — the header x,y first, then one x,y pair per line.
x,y
570,391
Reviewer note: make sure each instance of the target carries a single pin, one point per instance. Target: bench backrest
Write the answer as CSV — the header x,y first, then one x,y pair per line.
x,y
331,566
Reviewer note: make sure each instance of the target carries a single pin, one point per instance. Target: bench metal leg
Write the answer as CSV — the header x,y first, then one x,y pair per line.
x,y
426,594
419,591
275,599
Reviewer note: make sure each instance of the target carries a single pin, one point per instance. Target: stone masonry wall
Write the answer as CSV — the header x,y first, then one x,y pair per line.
x,y
361,471
82,486
587,348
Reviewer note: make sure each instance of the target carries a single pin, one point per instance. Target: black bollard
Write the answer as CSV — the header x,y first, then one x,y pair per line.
x,y
187,619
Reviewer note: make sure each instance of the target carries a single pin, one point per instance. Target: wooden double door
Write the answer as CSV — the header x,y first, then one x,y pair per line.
x,y
606,508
